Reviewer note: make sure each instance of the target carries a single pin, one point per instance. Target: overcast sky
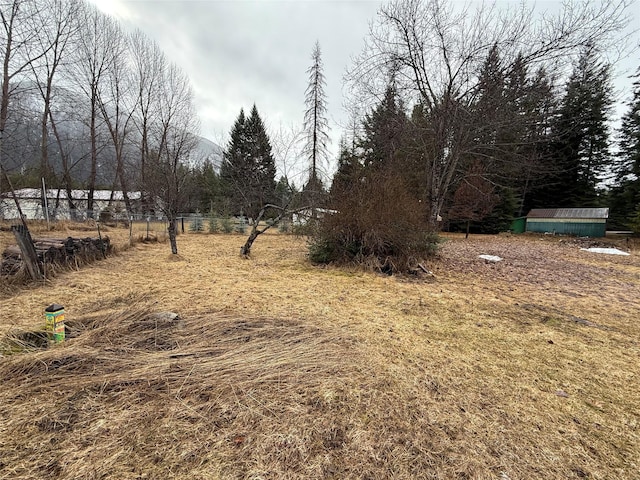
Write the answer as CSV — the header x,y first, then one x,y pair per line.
x,y
237,52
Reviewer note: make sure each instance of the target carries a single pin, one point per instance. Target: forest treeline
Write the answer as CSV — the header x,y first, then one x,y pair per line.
x,y
463,116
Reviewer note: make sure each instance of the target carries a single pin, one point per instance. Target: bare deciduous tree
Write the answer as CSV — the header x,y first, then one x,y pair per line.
x,y
148,64
173,141
436,51
286,154
118,102
94,61
474,198
20,48
59,18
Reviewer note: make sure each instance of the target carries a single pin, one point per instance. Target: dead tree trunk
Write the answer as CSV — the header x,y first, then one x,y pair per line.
x,y
28,251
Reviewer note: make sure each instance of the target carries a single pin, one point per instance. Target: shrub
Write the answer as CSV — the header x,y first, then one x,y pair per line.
x,y
284,226
378,224
196,223
226,224
308,229
213,224
241,226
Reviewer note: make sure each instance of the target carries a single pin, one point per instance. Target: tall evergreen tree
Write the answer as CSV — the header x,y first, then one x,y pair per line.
x,y
384,131
285,192
625,196
511,117
234,165
581,135
248,171
316,128
348,173
535,164
207,188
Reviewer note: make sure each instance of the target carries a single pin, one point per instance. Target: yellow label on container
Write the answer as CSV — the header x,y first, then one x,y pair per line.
x,y
54,324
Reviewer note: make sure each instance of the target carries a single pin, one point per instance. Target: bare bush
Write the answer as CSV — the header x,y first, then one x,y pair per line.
x,y
376,223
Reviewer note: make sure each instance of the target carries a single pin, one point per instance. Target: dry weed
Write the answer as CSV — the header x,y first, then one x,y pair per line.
x,y
277,369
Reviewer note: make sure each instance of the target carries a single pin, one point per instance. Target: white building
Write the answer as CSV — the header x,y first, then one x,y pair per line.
x,y
30,200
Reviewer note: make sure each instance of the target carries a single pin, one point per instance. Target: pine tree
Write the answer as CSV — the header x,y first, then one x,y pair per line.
x,y
206,187
235,164
264,167
629,155
248,171
625,196
537,166
581,135
316,129
384,131
493,115
348,173
510,119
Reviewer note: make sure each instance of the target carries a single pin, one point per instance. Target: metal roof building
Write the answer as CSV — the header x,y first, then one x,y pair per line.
x,y
583,222
30,202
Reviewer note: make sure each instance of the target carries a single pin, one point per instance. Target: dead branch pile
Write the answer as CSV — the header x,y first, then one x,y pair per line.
x,y
57,251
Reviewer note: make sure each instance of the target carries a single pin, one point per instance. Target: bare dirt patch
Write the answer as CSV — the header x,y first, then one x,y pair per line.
x,y
527,368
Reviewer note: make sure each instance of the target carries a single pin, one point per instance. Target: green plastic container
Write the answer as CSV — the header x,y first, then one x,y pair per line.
x,y
54,322
519,225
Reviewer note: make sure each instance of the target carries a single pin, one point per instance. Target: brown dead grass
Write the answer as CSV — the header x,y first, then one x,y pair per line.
x,y
277,369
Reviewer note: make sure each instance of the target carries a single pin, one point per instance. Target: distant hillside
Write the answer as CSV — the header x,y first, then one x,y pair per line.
x,y
21,143
208,150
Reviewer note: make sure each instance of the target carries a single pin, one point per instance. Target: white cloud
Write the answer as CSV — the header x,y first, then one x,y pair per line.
x,y
237,53
241,52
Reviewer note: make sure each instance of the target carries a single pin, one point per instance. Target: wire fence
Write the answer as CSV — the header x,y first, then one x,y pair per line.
x,y
146,225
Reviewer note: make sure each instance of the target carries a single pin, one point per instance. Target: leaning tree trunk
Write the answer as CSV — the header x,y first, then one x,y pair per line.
x,y
245,250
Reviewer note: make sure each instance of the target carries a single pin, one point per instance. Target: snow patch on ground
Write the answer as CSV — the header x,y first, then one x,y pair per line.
x,y
608,251
490,258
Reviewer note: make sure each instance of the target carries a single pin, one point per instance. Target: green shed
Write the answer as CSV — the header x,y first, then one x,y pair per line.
x,y
582,222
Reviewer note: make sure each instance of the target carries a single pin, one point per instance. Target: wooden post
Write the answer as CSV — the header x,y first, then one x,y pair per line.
x,y
28,251
46,203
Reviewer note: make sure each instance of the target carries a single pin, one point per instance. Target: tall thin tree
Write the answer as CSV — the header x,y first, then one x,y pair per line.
x,y
54,39
624,199
118,103
149,64
172,144
21,25
94,62
581,134
316,127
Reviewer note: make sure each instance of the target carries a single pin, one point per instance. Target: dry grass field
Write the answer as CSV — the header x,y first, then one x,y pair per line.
x,y
276,369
